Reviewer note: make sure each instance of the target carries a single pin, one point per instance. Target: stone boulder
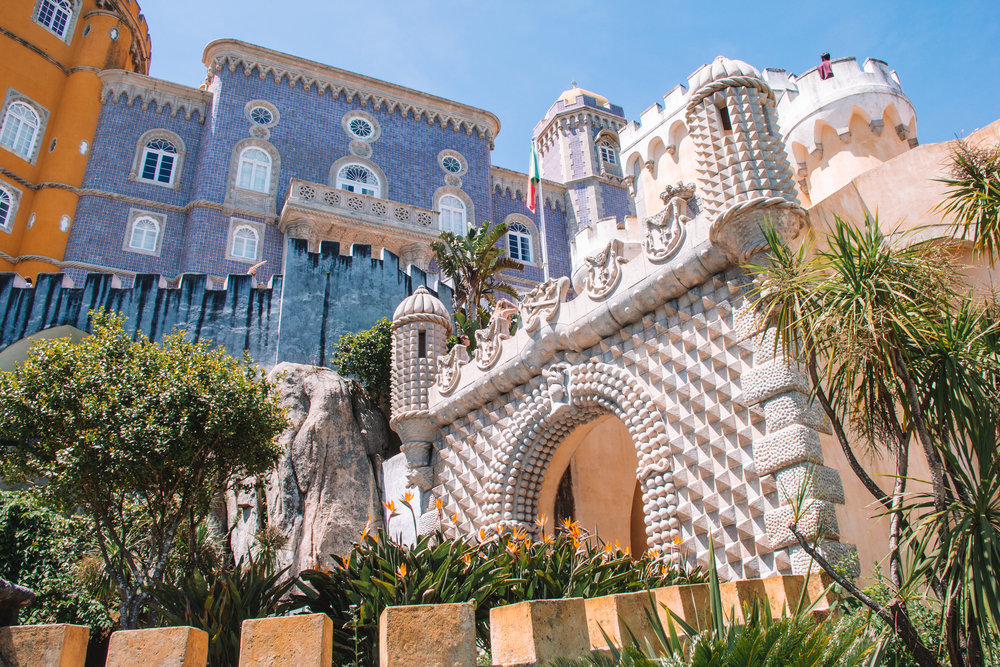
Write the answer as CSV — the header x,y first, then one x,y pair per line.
x,y
324,489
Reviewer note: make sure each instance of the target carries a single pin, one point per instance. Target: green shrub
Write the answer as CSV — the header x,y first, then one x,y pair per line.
x,y
365,356
218,603
501,568
49,553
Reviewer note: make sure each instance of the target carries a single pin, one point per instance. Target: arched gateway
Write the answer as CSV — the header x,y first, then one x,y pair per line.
x,y
573,395
659,337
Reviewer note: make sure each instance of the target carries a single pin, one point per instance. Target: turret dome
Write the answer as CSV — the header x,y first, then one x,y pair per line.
x,y
722,68
421,302
570,94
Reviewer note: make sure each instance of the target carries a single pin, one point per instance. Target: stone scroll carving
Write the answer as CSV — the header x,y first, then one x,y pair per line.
x,y
489,342
450,368
604,270
542,303
665,230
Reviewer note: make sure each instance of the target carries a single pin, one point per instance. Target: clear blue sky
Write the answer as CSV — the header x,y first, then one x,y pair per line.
x,y
514,57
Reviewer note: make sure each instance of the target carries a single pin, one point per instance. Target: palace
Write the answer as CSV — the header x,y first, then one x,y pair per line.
x,y
285,202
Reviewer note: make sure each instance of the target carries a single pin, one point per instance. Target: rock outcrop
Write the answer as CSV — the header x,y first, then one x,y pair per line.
x,y
324,488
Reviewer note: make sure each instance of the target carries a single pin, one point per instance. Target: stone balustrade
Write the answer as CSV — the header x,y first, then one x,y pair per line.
x,y
441,635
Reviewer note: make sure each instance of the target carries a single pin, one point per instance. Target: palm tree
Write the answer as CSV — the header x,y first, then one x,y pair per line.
x,y
974,195
474,263
900,355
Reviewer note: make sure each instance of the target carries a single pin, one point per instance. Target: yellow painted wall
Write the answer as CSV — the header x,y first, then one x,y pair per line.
x,y
61,76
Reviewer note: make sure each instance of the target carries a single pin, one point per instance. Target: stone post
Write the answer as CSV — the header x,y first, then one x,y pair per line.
x,y
291,641
159,647
49,645
443,635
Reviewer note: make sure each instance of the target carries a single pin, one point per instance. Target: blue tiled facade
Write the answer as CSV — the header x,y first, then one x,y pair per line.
x,y
307,138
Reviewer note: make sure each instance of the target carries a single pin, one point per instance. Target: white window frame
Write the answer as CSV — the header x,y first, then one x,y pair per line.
x,y
520,238
7,128
356,186
608,152
159,154
237,225
135,215
249,168
13,198
63,8
237,237
138,226
448,212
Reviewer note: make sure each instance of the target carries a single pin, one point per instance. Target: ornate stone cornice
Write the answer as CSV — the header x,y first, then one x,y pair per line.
x,y
156,92
231,53
549,129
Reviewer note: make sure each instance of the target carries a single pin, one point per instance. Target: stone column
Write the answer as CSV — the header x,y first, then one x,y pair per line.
x,y
791,451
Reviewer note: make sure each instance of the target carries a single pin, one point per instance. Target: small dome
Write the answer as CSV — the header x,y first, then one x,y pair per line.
x,y
722,68
570,94
420,302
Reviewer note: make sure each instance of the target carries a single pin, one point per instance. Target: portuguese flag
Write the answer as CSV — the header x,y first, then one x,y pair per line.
x,y
533,178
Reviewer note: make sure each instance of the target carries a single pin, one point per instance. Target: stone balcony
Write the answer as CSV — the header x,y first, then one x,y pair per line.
x,y
323,213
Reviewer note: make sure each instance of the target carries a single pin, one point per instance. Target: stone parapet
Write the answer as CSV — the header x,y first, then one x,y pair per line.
x,y
49,645
430,635
539,631
159,647
292,641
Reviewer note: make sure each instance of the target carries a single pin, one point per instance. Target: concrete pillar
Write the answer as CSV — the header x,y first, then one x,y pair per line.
x,y
58,645
689,602
736,595
290,641
539,631
434,635
618,615
159,647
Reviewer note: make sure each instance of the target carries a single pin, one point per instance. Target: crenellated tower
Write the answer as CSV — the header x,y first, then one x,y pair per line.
x,y
745,179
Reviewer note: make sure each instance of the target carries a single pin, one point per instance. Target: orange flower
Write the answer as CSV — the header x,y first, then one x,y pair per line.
x,y
500,528
541,520
391,506
408,496
401,572
482,534
439,503
677,539
454,517
467,559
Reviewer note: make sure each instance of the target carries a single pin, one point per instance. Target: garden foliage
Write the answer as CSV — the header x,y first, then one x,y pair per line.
x,y
135,436
365,356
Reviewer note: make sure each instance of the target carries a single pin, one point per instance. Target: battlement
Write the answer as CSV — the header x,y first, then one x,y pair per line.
x,y
656,114
871,89
295,317
131,13
154,92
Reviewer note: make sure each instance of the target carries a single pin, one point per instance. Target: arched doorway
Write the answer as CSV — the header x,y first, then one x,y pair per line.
x,y
574,396
592,480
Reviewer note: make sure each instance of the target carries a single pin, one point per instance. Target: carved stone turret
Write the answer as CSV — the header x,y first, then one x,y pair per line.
x,y
420,329
745,179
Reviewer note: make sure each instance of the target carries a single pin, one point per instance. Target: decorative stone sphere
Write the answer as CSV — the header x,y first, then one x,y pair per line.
x,y
723,68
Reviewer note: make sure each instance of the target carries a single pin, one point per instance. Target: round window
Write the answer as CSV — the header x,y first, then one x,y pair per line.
x,y
452,164
261,116
361,128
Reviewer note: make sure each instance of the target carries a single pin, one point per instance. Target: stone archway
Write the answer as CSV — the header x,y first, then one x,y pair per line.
x,y
570,396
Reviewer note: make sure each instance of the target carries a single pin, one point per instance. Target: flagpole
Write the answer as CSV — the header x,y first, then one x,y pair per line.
x,y
541,230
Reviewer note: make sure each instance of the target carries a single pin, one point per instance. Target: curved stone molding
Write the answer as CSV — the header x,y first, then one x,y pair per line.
x,y
450,368
489,342
542,303
604,270
154,92
573,395
792,453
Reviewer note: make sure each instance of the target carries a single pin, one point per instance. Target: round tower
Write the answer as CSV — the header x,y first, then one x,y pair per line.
x,y
745,179
420,329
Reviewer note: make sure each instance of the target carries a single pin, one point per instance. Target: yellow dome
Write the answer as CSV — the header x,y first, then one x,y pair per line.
x,y
568,96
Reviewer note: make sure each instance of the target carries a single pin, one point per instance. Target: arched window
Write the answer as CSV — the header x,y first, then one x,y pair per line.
x,y
452,214
145,233
158,159
55,15
20,129
608,153
7,208
519,242
254,172
245,242
358,178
